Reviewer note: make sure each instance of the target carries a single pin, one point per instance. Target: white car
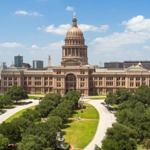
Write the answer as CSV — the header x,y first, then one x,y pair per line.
x,y
112,111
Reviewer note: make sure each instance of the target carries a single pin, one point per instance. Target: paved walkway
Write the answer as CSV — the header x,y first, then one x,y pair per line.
x,y
36,95
106,119
9,112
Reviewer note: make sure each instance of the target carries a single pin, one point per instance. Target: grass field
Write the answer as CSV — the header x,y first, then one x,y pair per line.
x,y
89,113
18,114
80,133
98,95
139,147
36,94
97,98
32,97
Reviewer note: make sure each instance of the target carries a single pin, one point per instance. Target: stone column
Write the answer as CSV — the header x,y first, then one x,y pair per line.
x,y
71,51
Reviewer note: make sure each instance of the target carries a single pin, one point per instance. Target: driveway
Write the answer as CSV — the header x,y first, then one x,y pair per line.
x,y
9,112
106,119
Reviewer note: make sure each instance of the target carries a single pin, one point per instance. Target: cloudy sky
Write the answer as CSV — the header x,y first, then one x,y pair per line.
x,y
114,30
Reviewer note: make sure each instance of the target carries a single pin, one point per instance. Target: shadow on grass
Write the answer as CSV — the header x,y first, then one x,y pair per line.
x,y
11,107
64,126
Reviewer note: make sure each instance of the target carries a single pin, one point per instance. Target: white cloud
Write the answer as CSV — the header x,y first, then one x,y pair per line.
x,y
146,47
62,29
11,45
136,32
34,47
137,23
86,27
68,8
50,48
23,12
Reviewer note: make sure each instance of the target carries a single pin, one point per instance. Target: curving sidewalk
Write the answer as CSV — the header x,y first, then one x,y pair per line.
x,y
106,119
11,111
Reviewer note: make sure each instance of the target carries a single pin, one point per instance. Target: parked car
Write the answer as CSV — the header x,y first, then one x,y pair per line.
x,y
113,111
35,98
1,113
102,103
114,123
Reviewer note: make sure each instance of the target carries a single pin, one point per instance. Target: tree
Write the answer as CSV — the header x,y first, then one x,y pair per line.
x,y
97,148
17,93
7,100
1,102
39,136
11,131
32,115
45,107
3,142
119,137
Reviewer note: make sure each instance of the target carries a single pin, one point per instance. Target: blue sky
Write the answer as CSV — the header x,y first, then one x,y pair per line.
x,y
114,30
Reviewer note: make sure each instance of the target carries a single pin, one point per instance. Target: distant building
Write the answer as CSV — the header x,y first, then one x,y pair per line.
x,y
145,64
26,65
18,60
2,67
49,61
113,65
37,64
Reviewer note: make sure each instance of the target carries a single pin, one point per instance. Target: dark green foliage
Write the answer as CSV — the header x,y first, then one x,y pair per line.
x,y
17,93
49,102
11,131
31,115
64,110
119,137
39,136
3,142
73,96
121,95
97,148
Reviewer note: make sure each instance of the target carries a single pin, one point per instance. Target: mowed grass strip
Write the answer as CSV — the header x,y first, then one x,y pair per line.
x,y
97,98
80,133
89,113
18,114
32,97
35,94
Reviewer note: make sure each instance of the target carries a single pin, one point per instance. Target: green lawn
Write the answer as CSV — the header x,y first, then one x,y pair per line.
x,y
97,98
80,133
98,95
36,94
139,147
32,97
89,113
18,114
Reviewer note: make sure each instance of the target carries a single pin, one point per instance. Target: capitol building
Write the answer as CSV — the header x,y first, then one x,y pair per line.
x,y
74,73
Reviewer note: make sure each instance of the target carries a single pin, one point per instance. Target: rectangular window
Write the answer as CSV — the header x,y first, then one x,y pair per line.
x,y
143,79
50,83
123,83
15,78
25,83
58,79
131,79
46,83
37,83
123,78
82,79
29,78
137,78
131,84
100,83
109,83
109,78
29,83
46,78
58,72
15,83
58,84
50,78
118,78
10,78
100,78
5,78
10,83
5,83
118,83
37,78
137,84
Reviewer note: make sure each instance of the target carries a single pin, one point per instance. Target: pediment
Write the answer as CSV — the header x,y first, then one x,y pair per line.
x,y
71,60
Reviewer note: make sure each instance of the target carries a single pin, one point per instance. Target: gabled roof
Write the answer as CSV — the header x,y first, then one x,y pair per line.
x,y
137,68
